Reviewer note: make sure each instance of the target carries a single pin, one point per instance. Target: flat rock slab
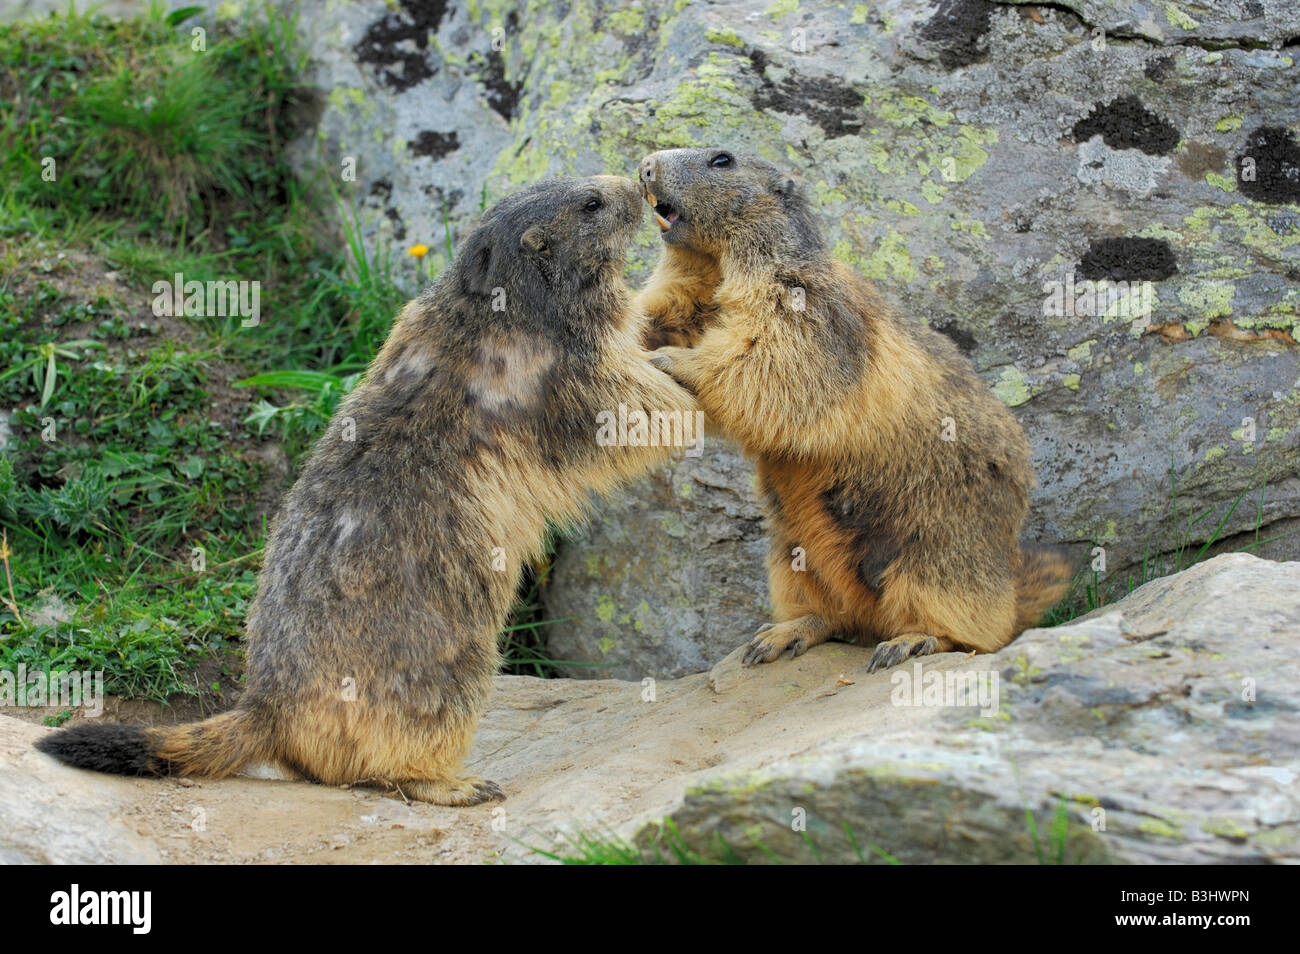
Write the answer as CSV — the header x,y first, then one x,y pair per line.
x,y
1165,728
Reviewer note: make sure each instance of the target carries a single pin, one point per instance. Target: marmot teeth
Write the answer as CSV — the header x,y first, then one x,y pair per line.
x,y
665,214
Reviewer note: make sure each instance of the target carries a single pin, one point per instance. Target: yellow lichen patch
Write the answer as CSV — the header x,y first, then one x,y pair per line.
x,y
1011,388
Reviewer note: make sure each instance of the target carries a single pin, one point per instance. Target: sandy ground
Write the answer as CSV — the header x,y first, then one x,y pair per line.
x,y
570,754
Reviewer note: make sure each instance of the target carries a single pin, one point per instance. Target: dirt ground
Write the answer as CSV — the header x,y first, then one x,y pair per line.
x,y
570,754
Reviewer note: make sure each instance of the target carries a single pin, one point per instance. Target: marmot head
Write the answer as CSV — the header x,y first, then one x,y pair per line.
x,y
552,244
714,201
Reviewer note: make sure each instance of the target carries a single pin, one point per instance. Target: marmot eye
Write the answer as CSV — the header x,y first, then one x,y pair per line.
x,y
592,205
720,161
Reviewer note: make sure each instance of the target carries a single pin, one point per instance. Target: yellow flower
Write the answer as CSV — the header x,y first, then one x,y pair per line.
x,y
419,251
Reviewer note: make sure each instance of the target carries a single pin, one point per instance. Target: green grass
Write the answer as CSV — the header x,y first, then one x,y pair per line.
x,y
114,473
144,635
585,847
1052,850
592,848
134,442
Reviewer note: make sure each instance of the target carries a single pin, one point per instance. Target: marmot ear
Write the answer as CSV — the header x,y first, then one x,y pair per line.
x,y
534,241
786,188
477,275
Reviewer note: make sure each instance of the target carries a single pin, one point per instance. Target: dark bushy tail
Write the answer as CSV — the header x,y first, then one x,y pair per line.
x,y
212,748
1042,580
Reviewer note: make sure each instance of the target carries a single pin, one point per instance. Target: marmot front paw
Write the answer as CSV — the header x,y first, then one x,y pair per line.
x,y
798,635
671,360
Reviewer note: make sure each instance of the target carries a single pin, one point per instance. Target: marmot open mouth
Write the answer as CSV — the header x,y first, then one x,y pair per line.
x,y
665,215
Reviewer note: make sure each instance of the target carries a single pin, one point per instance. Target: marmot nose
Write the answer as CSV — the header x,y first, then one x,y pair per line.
x,y
631,196
646,172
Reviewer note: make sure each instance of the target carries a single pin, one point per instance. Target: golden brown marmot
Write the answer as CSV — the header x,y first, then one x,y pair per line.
x,y
895,484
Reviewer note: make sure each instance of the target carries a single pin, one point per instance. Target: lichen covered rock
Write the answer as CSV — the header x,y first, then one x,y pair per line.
x,y
1164,729
1096,199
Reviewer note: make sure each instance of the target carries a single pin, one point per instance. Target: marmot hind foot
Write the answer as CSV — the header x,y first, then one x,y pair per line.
x,y
894,651
459,792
